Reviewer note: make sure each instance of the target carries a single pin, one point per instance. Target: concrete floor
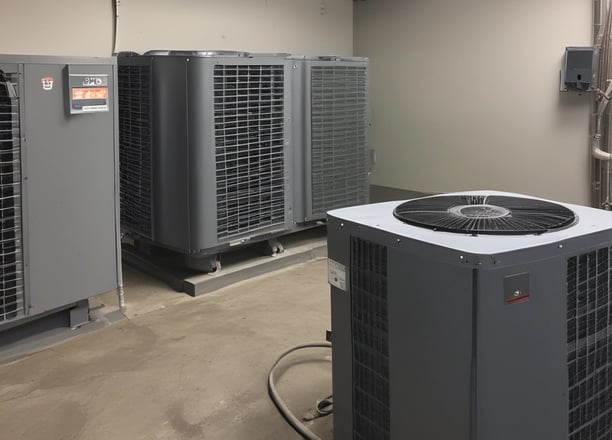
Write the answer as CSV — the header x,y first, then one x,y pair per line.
x,y
180,367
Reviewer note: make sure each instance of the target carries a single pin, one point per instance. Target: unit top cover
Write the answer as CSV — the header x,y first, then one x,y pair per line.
x,y
328,58
197,53
480,222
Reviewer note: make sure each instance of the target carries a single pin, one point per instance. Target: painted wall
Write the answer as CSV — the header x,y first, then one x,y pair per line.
x,y
299,26
465,95
72,27
58,27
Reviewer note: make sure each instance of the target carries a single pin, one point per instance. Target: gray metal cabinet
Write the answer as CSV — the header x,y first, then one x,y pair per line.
x,y
65,186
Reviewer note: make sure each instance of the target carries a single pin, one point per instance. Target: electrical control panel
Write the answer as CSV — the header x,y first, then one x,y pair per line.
x,y
579,69
86,93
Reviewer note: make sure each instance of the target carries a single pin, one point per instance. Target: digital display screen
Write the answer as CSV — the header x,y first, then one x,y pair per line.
x,y
79,93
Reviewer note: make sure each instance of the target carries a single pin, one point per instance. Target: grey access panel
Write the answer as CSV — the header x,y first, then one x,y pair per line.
x,y
525,343
69,177
170,150
433,363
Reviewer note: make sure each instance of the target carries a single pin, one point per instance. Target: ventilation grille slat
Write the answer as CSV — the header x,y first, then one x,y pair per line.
x,y
339,121
370,336
11,269
249,112
589,320
135,148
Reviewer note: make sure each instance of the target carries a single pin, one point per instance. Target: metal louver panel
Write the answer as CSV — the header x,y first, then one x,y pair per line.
x,y
370,340
135,148
589,342
339,123
249,147
11,269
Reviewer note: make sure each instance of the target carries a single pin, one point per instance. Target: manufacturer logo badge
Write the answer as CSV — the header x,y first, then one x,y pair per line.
x,y
47,83
92,81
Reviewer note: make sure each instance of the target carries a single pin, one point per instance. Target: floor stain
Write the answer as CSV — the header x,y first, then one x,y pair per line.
x,y
186,429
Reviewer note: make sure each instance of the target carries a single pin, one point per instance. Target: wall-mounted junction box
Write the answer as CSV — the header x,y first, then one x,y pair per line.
x,y
579,69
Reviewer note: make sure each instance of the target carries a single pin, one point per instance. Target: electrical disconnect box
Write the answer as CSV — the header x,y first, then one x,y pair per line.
x,y
579,67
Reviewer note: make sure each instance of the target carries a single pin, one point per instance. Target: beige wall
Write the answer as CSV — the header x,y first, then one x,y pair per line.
x,y
58,27
299,26
465,95
73,27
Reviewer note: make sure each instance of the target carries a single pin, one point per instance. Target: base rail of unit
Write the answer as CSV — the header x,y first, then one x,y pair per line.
x,y
238,265
39,332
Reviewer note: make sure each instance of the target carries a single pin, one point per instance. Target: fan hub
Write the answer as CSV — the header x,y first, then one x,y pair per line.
x,y
479,211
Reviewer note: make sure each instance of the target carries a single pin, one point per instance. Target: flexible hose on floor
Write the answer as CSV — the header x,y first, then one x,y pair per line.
x,y
282,407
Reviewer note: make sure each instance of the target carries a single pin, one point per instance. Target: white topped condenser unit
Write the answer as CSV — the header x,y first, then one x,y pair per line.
x,y
477,315
331,134
59,185
205,149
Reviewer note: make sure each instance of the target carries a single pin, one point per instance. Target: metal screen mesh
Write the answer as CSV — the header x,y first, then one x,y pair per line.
x,y
11,273
339,123
135,148
589,317
249,147
369,330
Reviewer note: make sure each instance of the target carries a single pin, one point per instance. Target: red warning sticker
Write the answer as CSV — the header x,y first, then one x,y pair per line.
x,y
47,83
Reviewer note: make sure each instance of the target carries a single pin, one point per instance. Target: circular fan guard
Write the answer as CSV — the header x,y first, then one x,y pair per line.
x,y
485,214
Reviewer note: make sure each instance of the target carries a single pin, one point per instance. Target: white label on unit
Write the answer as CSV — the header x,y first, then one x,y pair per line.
x,y
94,108
336,274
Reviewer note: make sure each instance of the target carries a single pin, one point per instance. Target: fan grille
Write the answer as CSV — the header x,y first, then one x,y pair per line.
x,y
485,214
589,345
11,273
135,148
339,122
249,147
370,340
